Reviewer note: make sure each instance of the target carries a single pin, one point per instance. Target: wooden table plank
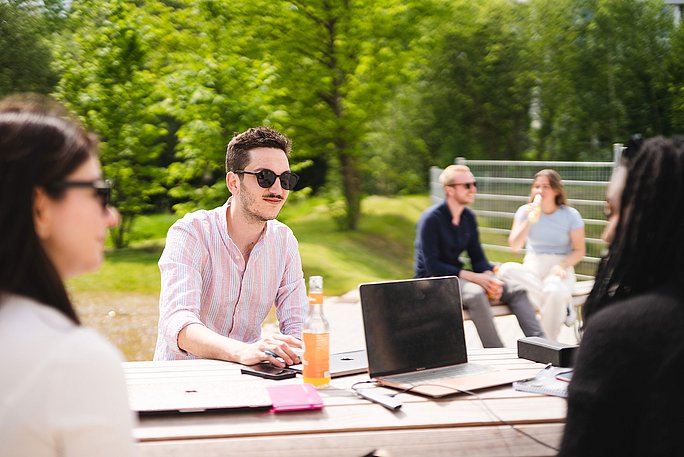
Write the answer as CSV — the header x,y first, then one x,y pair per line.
x,y
477,441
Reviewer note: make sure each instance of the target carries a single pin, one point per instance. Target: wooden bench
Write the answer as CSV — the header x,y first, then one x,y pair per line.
x,y
579,295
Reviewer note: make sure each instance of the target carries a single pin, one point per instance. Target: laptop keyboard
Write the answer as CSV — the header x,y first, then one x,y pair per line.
x,y
439,374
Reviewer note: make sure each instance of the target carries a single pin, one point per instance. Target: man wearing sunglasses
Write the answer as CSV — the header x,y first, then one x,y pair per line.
x,y
447,229
224,269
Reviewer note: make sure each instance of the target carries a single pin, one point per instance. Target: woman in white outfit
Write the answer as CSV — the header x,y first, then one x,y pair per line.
x,y
553,235
62,389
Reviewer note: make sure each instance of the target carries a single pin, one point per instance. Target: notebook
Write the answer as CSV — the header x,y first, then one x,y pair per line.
x,y
549,381
343,363
415,338
197,396
294,397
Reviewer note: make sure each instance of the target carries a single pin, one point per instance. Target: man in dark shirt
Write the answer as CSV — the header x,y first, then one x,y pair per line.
x,y
447,229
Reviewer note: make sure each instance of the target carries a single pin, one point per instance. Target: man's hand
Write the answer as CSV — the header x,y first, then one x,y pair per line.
x,y
493,286
263,351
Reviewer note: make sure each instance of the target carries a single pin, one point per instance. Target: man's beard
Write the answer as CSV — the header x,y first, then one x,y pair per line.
x,y
247,202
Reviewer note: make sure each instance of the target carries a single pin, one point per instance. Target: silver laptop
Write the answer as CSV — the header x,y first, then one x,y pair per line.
x,y
191,396
343,363
415,338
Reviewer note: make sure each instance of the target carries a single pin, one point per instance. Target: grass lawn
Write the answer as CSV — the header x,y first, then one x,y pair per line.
x,y
121,299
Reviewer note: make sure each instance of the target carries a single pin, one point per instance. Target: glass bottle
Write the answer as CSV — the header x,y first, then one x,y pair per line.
x,y
316,356
535,209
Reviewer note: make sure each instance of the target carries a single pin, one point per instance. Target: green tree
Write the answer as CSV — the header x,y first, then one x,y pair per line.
x,y
102,59
602,73
211,87
25,59
336,63
469,93
675,81
482,80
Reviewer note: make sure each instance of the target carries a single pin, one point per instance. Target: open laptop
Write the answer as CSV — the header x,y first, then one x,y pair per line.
x,y
197,396
343,363
415,338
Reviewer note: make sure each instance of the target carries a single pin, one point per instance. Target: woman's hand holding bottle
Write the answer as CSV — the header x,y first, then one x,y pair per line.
x,y
534,209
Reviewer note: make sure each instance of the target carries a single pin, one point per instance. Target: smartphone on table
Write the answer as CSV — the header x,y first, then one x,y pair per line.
x,y
268,371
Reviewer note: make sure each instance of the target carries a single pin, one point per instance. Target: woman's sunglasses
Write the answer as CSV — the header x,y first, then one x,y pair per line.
x,y
103,189
266,178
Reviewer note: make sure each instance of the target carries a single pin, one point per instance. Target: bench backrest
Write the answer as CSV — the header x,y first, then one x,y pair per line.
x,y
505,185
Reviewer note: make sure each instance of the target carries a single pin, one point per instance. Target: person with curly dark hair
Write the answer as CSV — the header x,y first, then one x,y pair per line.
x,y
625,397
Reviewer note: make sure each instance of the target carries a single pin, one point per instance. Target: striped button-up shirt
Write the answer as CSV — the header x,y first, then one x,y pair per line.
x,y
205,280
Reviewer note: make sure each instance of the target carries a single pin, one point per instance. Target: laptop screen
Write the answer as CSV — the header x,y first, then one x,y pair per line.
x,y
412,325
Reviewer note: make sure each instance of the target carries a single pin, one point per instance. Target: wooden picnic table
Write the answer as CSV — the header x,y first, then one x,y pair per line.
x,y
351,426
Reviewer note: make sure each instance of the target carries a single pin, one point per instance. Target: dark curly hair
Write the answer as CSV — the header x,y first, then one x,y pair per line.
x,y
237,152
648,247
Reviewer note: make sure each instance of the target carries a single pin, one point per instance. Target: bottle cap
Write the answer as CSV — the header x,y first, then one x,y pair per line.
x,y
316,282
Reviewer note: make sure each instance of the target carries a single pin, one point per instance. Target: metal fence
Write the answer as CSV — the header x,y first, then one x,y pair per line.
x,y
503,186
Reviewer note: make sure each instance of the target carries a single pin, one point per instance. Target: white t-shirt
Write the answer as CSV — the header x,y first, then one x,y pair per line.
x,y
551,233
62,389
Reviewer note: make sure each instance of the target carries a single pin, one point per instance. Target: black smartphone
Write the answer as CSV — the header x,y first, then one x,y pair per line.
x,y
268,371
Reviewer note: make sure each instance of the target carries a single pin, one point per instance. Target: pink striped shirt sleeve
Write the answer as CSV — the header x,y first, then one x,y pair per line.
x,y
205,280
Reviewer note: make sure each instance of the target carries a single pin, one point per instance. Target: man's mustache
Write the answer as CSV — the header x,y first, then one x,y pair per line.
x,y
280,197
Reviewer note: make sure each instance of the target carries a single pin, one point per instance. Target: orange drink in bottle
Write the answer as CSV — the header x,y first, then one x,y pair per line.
x,y
316,358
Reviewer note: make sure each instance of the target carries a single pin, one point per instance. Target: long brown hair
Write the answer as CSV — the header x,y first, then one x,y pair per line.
x,y
39,145
556,184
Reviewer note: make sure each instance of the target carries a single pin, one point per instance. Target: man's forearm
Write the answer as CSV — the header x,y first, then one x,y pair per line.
x,y
469,276
198,340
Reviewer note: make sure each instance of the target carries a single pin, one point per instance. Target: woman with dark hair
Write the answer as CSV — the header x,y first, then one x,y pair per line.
x,y
553,234
62,389
625,397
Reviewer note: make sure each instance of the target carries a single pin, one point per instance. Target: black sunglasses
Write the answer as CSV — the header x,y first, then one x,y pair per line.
x,y
266,178
467,185
102,188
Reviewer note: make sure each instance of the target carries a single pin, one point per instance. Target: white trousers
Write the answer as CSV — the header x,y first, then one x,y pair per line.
x,y
549,294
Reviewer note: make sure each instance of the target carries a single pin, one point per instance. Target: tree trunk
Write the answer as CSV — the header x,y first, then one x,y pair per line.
x,y
352,189
120,233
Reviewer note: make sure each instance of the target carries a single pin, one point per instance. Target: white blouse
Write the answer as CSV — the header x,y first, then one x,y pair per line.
x,y
62,389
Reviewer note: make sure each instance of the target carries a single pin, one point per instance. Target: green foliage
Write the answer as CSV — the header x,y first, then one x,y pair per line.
x,y
482,79
602,74
373,93
112,89
24,51
131,270
470,94
336,62
675,82
543,79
